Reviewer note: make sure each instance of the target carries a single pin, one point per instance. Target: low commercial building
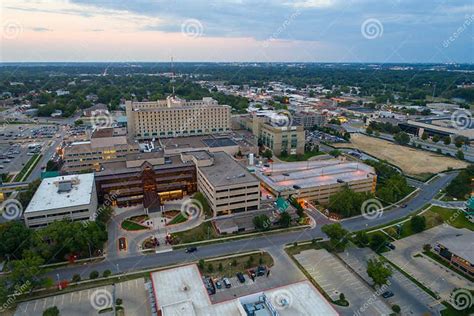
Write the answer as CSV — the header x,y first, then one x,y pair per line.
x,y
457,250
316,180
175,117
229,187
181,291
438,127
73,197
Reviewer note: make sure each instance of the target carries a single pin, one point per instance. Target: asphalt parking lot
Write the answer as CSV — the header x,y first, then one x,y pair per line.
x,y
433,275
335,278
81,303
411,299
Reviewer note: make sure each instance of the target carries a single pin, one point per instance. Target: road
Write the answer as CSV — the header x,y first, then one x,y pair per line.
x,y
139,262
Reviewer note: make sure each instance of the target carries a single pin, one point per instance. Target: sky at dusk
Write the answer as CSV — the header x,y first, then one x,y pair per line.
x,y
430,31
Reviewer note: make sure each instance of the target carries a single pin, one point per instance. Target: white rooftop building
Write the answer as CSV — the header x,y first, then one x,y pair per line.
x,y
180,291
72,197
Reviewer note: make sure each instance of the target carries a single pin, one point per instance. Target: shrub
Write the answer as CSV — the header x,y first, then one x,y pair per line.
x,y
94,275
396,308
107,273
76,278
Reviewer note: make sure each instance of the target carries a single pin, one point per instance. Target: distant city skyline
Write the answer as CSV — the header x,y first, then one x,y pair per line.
x,y
391,31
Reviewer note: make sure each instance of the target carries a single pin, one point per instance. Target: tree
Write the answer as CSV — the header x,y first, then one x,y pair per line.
x,y
210,268
78,122
402,138
220,267
460,155
424,136
94,275
285,220
337,236
76,278
362,239
418,223
458,143
335,153
51,311
447,140
378,240
369,130
15,238
261,222
396,308
426,247
27,270
460,187
267,154
201,264
378,271
435,138
106,273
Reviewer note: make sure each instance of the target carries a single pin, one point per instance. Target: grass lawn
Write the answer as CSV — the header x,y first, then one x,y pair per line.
x,y
204,231
455,218
231,266
304,157
294,250
177,219
129,225
435,216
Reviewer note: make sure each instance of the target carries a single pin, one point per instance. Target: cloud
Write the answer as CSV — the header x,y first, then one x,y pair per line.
x,y
41,29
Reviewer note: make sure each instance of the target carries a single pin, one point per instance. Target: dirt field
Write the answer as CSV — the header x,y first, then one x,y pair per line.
x,y
412,161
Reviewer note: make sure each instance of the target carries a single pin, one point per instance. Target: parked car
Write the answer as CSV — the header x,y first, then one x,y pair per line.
x,y
218,284
122,243
191,249
261,270
391,246
226,283
387,294
241,277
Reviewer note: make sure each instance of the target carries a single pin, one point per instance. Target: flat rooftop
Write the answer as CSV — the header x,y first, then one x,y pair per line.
x,y
307,174
180,291
461,245
57,193
226,171
197,142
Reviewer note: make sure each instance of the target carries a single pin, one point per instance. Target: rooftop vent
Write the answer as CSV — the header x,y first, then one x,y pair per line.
x,y
64,186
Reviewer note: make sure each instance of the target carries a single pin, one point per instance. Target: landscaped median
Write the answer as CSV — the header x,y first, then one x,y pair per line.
x,y
107,278
205,234
28,168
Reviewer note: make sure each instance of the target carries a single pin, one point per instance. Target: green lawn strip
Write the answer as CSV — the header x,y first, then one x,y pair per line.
x,y
439,260
178,219
28,168
101,282
312,245
420,285
205,234
230,266
304,157
453,217
129,225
